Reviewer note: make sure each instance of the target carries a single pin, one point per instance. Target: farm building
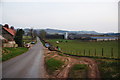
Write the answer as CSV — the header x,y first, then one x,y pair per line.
x,y
104,38
7,36
8,33
86,37
79,36
66,35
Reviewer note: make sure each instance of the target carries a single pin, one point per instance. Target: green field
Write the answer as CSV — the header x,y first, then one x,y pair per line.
x,y
27,39
77,47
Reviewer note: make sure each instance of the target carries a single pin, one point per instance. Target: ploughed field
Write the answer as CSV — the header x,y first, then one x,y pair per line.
x,y
107,49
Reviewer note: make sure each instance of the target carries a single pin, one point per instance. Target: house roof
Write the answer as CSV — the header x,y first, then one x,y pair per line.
x,y
104,37
2,38
11,31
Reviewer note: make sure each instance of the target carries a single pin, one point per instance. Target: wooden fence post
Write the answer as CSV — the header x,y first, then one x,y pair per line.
x,y
84,52
111,52
80,52
95,52
102,51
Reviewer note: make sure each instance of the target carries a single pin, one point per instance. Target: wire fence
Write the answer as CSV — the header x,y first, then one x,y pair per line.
x,y
94,52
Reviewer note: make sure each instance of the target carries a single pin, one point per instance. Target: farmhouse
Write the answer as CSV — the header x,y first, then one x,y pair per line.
x,y
7,36
8,33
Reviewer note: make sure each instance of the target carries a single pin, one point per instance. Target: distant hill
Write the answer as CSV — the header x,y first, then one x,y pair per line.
x,y
56,31
53,31
85,32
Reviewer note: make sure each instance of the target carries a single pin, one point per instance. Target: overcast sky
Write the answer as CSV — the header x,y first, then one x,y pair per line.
x,y
88,15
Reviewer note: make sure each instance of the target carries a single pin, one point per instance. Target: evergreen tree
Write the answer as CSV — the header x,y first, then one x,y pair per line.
x,y
19,37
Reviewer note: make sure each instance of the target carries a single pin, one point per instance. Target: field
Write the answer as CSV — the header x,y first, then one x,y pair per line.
x,y
107,49
27,39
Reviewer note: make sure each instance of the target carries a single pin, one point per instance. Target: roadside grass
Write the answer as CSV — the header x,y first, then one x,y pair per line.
x,y
86,48
12,52
109,69
43,42
78,71
53,65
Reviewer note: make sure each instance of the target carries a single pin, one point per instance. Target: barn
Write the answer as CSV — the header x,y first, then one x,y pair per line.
x,y
104,38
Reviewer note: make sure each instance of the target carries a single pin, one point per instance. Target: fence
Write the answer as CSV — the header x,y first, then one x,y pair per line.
x,y
94,52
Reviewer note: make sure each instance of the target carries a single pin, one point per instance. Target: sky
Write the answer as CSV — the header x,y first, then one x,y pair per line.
x,y
72,15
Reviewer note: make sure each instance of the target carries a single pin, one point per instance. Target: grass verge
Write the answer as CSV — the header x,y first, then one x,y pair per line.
x,y
109,69
53,64
9,53
78,71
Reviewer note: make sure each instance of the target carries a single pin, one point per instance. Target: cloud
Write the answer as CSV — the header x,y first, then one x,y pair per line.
x,y
100,17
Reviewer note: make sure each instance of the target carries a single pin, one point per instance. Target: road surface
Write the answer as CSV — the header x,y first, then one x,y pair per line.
x,y
27,65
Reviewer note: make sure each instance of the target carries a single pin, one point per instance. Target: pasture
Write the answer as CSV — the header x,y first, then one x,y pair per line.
x,y
84,48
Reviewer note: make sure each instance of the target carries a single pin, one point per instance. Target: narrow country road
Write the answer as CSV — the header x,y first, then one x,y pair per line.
x,y
27,65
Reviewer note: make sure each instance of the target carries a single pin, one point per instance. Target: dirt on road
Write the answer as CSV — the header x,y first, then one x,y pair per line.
x,y
69,61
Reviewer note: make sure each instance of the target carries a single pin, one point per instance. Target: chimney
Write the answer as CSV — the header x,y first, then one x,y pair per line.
x,y
12,27
6,26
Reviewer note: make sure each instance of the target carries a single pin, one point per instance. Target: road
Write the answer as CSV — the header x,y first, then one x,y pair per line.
x,y
27,65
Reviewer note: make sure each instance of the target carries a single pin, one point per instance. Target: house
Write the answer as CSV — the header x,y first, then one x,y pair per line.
x,y
8,33
7,36
2,39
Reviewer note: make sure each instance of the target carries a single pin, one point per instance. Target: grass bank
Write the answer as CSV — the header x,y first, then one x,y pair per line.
x,y
52,65
9,53
78,71
109,68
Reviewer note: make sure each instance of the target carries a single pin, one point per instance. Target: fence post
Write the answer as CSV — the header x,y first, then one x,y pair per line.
x,y
111,52
84,52
95,52
72,52
77,52
102,51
